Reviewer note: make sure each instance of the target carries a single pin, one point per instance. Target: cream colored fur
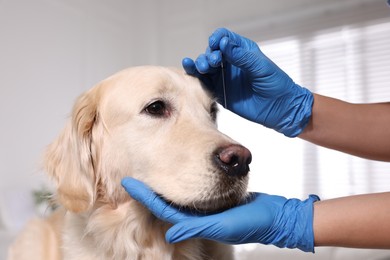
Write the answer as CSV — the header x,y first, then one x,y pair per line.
x,y
112,134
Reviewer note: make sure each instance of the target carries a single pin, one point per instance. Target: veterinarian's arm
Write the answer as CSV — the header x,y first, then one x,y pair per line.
x,y
263,218
357,221
358,129
260,91
360,221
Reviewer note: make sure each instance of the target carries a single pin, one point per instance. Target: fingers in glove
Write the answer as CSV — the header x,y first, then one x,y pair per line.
x,y
146,196
195,228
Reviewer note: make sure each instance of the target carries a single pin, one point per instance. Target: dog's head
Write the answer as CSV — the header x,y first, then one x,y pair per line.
x,y
157,125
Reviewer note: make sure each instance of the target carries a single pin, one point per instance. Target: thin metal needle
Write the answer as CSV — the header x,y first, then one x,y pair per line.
x,y
223,85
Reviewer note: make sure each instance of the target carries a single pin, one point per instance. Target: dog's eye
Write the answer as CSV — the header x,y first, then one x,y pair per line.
x,y
157,108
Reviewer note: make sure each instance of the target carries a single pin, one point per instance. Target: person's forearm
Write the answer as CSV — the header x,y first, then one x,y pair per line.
x,y
357,129
361,221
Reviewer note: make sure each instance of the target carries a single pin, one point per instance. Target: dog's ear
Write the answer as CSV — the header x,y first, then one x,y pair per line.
x,y
69,159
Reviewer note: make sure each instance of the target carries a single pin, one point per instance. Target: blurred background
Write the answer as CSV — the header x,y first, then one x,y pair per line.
x,y
53,50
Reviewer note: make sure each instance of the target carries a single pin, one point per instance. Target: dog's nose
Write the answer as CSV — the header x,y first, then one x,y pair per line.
x,y
234,160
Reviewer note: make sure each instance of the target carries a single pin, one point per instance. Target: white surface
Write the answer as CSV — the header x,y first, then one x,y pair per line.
x,y
324,253
6,239
16,208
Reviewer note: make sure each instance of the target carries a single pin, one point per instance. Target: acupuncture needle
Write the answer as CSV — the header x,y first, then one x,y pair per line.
x,y
223,85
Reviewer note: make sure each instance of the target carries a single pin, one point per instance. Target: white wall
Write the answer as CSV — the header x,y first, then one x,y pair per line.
x,y
52,50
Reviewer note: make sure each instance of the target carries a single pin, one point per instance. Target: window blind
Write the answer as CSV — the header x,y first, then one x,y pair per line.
x,y
339,52
350,62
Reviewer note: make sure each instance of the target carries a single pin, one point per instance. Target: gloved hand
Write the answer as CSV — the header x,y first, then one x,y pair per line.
x,y
256,88
262,218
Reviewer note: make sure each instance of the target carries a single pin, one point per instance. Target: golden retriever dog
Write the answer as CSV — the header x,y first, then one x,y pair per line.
x,y
155,124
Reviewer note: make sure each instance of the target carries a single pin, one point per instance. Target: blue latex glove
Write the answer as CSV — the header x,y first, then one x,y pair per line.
x,y
256,88
262,218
